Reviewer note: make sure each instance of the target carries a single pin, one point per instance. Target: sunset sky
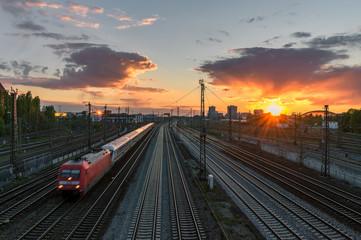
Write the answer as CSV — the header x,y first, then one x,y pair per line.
x,y
298,55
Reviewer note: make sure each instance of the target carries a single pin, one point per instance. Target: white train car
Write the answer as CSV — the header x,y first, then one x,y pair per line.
x,y
121,145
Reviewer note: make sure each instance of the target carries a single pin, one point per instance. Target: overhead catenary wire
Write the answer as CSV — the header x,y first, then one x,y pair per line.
x,y
183,96
217,96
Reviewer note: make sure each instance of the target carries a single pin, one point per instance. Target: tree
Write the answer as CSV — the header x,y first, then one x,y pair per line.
x,y
48,119
2,127
355,121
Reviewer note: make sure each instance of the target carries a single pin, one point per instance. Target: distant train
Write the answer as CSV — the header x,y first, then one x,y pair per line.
x,y
80,175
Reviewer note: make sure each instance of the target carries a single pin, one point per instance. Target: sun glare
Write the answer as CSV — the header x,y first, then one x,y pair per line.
x,y
274,109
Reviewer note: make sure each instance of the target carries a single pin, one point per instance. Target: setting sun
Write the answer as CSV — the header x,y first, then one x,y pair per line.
x,y
274,109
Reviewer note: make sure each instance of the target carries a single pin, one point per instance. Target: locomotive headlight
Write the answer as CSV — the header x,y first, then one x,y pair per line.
x,y
60,186
69,178
77,186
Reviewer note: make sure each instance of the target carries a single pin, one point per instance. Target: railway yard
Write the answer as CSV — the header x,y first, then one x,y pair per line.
x,y
152,191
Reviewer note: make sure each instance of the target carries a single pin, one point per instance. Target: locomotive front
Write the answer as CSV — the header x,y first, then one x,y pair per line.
x,y
70,177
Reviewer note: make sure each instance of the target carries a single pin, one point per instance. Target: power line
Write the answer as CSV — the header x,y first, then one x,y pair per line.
x,y
217,96
183,97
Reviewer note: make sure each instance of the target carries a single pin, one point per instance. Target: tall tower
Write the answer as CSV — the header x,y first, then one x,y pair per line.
x,y
14,160
325,169
203,133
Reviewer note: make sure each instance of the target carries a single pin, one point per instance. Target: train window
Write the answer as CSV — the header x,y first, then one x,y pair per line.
x,y
70,173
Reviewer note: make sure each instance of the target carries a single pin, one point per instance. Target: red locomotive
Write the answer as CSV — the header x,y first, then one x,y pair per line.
x,y
78,176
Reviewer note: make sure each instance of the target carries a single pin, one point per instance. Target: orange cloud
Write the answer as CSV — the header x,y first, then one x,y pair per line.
x,y
79,23
147,21
124,27
99,67
42,4
305,76
120,16
82,10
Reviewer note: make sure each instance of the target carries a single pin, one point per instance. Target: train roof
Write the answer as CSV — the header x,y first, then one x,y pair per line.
x,y
122,140
89,158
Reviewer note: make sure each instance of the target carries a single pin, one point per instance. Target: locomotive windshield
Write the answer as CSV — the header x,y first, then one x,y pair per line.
x,y
70,173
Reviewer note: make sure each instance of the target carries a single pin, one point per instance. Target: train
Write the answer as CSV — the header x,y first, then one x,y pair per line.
x,y
79,175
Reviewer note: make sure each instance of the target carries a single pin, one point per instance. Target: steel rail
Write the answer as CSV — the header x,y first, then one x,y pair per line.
x,y
137,154
184,186
248,205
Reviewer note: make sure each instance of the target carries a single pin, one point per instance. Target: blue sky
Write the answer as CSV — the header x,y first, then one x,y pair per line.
x,y
299,55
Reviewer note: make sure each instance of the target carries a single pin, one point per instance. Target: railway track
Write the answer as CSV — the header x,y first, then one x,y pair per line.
x,y
86,217
273,213
45,224
343,204
17,207
27,188
148,213
185,220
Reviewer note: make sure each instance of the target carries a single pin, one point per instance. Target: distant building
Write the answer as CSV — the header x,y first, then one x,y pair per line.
x,y
212,113
233,111
331,124
123,118
258,112
244,115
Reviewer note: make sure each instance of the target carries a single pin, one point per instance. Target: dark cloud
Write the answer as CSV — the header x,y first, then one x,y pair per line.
x,y
288,45
4,66
254,19
271,70
224,32
67,48
50,35
335,41
301,34
57,73
143,89
136,101
29,25
94,93
15,8
212,39
20,8
21,69
98,67
271,39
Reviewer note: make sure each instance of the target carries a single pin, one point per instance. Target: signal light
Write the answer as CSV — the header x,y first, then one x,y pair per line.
x,y
69,178
77,186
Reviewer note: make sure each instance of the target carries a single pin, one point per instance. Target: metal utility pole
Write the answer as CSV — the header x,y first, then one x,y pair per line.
x,y
203,133
239,127
89,124
339,132
19,135
105,120
119,118
325,169
295,125
14,161
230,123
